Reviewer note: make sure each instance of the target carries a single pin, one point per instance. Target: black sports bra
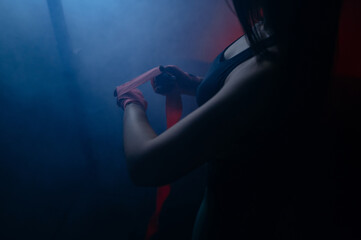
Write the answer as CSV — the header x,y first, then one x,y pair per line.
x,y
220,69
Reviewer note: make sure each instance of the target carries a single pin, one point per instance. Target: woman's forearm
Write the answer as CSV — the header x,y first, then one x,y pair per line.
x,y
137,131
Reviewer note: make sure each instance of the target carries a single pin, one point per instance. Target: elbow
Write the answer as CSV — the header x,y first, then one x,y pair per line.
x,y
139,178
142,174
142,179
150,168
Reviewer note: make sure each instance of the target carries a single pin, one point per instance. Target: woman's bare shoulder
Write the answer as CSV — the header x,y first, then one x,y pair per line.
x,y
251,73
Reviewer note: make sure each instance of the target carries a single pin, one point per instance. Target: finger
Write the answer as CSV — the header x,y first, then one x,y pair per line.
x,y
159,90
163,83
161,68
172,69
164,79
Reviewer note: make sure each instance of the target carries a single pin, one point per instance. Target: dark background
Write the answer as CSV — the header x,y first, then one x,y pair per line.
x,y
62,168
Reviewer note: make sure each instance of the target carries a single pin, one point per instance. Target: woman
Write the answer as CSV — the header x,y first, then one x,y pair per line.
x,y
258,108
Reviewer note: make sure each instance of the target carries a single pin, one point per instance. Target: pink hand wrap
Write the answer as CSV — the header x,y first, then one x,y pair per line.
x,y
136,82
133,95
127,93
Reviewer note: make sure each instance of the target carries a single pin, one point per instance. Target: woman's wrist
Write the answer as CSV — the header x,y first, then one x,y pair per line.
x,y
134,104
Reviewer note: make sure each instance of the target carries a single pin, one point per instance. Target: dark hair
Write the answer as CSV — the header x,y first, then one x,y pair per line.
x,y
249,13
305,32
294,23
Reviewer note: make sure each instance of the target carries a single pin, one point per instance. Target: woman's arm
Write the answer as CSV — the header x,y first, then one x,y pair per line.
x,y
157,160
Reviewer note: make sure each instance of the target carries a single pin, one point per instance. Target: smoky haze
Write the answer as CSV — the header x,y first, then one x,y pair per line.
x,y
62,172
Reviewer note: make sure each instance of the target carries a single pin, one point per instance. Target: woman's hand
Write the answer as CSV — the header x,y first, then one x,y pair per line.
x,y
174,80
133,96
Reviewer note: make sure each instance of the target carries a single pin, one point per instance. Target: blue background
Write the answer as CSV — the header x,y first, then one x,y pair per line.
x,y
62,168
